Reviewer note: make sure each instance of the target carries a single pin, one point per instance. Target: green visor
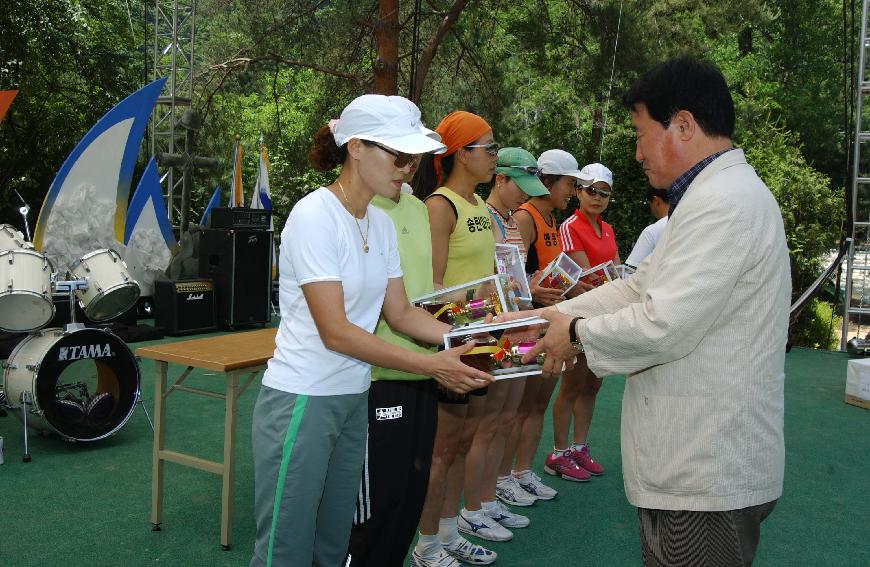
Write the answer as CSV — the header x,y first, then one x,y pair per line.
x,y
521,166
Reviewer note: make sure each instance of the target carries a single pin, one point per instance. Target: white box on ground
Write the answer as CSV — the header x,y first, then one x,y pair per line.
x,y
858,383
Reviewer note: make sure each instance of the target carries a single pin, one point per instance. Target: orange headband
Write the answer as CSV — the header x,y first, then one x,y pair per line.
x,y
457,130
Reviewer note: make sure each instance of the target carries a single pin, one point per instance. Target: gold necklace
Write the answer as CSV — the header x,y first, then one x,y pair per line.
x,y
365,238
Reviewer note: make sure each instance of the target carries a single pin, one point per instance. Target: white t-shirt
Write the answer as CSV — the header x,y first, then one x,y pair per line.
x,y
321,242
646,242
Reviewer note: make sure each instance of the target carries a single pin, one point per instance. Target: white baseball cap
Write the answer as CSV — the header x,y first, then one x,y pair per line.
x,y
558,162
595,172
392,121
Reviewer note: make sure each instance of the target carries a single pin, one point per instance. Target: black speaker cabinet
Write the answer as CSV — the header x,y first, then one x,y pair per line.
x,y
240,263
184,307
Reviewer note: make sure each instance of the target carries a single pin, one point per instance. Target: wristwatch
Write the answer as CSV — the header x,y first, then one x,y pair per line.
x,y
572,335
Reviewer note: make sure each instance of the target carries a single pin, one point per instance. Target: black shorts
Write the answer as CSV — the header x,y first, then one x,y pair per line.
x,y
446,396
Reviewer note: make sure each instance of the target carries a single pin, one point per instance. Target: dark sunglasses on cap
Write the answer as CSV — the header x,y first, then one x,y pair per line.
x,y
530,169
590,190
492,149
402,159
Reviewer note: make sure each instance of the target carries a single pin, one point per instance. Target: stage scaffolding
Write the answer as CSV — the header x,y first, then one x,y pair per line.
x,y
170,26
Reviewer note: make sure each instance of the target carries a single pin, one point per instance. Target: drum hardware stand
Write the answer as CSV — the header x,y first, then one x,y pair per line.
x,y
141,403
25,399
70,287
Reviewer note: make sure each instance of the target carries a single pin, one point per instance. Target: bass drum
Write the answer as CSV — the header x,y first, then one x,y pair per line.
x,y
82,385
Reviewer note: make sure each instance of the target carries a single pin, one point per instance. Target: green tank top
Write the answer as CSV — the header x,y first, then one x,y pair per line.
x,y
411,220
471,248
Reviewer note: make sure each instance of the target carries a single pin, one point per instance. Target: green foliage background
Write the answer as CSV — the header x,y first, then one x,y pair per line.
x,y
539,71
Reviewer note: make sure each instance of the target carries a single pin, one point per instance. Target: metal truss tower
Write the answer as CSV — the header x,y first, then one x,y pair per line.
x,y
170,34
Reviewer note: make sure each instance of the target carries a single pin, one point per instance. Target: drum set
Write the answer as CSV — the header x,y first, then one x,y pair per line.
x,y
79,383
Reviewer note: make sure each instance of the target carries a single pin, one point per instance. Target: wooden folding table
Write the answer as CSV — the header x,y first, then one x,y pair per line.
x,y
236,355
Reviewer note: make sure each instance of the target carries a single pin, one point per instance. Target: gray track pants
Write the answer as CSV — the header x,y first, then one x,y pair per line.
x,y
308,454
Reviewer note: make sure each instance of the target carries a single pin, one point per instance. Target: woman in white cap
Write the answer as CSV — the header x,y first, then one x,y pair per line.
x,y
560,174
339,271
589,241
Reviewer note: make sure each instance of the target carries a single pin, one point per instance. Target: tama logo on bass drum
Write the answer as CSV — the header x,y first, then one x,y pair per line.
x,y
85,351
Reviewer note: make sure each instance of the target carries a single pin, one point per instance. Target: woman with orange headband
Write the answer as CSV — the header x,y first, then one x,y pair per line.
x,y
463,248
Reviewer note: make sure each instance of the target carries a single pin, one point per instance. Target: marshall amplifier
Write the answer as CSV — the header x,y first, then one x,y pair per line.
x,y
240,218
183,307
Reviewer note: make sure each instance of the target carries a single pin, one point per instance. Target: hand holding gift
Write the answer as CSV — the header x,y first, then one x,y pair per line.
x,y
449,369
556,344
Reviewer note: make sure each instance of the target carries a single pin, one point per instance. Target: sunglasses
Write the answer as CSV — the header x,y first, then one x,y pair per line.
x,y
402,159
492,149
593,191
530,169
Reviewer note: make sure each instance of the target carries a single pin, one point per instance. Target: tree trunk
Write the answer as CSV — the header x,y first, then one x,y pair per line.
x,y
428,53
387,64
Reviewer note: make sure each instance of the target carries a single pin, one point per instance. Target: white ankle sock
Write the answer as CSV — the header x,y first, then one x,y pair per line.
x,y
523,476
428,545
489,506
448,529
578,446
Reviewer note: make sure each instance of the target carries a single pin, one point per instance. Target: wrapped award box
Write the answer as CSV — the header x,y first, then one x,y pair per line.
x,y
562,273
601,274
624,270
500,347
510,266
466,303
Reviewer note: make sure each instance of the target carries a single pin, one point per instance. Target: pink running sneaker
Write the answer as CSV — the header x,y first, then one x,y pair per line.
x,y
563,465
585,460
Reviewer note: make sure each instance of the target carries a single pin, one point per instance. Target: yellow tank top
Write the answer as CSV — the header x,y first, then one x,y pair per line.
x,y
471,248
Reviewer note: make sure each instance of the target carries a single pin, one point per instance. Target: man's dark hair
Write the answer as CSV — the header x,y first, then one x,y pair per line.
x,y
660,193
685,83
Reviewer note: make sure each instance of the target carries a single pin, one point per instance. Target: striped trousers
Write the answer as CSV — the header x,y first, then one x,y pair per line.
x,y
678,538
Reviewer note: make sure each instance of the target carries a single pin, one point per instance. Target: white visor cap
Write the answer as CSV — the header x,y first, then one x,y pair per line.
x,y
559,162
595,172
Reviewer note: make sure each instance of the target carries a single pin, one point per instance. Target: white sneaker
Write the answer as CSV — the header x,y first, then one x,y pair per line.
x,y
443,559
510,492
533,485
479,524
505,517
469,552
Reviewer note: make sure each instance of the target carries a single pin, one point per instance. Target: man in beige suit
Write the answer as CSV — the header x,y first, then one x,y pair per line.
x,y
699,330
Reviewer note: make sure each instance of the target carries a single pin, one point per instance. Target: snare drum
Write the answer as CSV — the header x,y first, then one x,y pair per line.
x,y
12,239
25,290
111,291
82,385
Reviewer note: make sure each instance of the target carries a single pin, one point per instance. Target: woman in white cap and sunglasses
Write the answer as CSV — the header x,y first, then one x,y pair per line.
x,y
589,241
339,271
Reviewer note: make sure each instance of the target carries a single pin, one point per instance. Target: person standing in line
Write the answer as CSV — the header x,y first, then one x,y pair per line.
x,y
560,173
403,409
340,271
463,249
699,330
589,241
659,202
515,180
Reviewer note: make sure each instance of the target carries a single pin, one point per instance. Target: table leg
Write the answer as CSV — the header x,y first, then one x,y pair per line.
x,y
229,460
159,443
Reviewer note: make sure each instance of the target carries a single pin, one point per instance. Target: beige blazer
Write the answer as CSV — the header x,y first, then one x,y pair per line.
x,y
700,331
